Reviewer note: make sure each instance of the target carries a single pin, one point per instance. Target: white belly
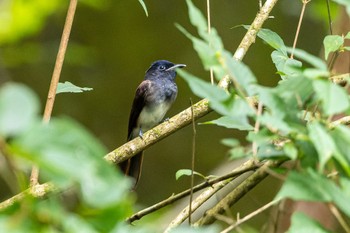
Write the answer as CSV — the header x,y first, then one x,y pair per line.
x,y
151,116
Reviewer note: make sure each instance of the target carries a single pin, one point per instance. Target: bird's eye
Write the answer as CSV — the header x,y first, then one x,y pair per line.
x,y
162,67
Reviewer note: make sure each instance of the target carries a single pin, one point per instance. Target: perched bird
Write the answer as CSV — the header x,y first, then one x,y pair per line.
x,y
152,100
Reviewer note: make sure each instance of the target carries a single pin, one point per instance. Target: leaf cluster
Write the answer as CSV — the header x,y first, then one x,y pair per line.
x,y
297,118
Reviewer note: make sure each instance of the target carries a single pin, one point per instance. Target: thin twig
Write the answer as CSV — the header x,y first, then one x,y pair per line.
x,y
256,128
249,216
34,177
339,217
192,162
209,30
39,190
299,26
329,17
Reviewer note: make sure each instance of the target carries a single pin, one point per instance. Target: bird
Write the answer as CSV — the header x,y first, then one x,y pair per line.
x,y
153,98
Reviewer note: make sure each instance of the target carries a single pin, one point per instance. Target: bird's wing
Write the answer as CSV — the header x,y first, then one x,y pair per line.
x,y
137,105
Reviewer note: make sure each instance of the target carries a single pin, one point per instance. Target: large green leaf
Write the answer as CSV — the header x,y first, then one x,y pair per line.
x,y
313,186
322,141
68,154
219,100
332,43
333,97
285,65
206,53
302,223
273,39
341,138
19,108
232,122
309,58
243,77
295,91
278,115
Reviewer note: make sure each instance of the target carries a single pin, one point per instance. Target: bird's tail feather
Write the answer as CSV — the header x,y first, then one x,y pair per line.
x,y
132,167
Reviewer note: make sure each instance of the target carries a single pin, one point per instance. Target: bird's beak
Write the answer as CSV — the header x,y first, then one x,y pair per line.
x,y
176,66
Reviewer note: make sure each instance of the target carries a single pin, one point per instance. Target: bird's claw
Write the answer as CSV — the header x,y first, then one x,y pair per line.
x,y
141,134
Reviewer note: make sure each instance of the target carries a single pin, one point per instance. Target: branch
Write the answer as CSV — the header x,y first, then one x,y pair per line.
x,y
56,76
237,193
203,197
249,216
39,190
243,168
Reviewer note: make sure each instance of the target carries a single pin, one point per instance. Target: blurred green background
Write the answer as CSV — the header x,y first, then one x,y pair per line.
x,y
111,46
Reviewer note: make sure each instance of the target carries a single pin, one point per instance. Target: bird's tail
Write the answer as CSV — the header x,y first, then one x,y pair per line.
x,y
132,167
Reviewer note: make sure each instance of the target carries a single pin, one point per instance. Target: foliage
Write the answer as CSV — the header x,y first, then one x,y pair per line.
x,y
297,113
68,156
296,123
20,19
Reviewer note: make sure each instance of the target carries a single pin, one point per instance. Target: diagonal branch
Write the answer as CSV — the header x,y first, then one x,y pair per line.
x,y
230,199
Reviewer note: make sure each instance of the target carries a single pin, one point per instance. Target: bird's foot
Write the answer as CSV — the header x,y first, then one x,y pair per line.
x,y
166,119
141,134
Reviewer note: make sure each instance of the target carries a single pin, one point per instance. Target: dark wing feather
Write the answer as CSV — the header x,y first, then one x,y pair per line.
x,y
137,106
132,167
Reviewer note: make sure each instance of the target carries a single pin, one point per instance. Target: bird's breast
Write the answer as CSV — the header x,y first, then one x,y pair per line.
x,y
152,115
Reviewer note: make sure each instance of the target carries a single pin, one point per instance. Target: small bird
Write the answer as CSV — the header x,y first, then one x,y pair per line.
x,y
153,98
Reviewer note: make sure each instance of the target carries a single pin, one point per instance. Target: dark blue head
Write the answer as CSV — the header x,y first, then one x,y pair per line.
x,y
162,69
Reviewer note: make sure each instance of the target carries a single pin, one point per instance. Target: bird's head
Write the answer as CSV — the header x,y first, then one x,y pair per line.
x,y
163,68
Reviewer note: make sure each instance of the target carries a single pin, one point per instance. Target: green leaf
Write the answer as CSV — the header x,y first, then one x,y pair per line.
x,y
333,97
347,36
279,116
312,186
24,18
311,59
302,223
144,7
206,53
220,101
272,39
332,43
341,138
295,91
19,108
284,64
68,155
69,87
197,19
187,172
315,73
269,151
238,152
290,150
231,142
322,141
232,122
241,74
